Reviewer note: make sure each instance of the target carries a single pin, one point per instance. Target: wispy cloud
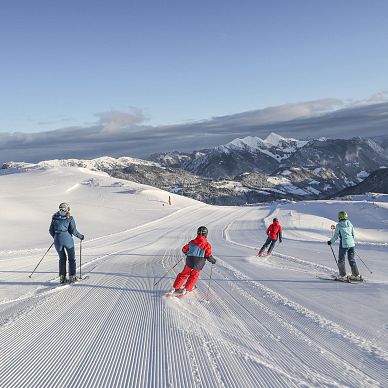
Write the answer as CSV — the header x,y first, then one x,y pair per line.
x,y
118,133
379,96
115,121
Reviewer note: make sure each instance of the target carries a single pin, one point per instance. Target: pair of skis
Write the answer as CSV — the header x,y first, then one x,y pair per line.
x,y
343,280
68,281
179,293
263,255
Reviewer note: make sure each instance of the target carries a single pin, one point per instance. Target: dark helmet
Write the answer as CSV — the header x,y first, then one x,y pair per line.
x,y
202,231
274,220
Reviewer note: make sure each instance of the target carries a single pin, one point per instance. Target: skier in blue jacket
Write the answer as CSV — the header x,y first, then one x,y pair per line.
x,y
345,232
62,229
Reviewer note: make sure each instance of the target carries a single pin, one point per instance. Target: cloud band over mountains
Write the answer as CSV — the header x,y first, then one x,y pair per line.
x,y
119,133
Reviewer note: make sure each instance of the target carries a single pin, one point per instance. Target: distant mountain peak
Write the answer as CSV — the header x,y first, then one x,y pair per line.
x,y
274,139
254,143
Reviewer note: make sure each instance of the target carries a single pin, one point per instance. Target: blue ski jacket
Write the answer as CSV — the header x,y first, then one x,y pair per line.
x,y
62,228
345,231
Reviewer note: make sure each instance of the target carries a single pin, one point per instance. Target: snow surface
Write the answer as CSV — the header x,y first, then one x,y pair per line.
x,y
263,322
275,140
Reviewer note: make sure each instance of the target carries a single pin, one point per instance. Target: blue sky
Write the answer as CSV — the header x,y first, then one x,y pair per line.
x,y
68,64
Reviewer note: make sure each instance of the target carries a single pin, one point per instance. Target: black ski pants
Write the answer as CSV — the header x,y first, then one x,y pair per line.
x,y
271,244
64,255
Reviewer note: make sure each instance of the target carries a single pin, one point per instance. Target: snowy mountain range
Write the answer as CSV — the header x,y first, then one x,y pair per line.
x,y
291,168
236,157
248,170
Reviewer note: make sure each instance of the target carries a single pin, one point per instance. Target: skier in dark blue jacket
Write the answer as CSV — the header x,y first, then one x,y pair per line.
x,y
62,229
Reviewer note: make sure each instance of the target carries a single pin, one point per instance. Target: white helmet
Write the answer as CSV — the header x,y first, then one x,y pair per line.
x,y
65,207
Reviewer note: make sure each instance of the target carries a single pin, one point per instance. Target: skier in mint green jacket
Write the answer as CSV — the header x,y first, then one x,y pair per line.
x,y
344,230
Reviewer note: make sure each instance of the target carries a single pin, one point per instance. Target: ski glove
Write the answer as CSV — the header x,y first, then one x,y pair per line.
x,y
82,237
280,240
211,259
329,242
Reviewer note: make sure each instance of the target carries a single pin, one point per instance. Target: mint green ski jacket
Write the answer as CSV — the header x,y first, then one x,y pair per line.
x,y
345,232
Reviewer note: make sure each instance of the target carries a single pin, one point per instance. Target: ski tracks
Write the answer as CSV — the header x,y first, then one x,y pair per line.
x,y
353,360
311,331
118,331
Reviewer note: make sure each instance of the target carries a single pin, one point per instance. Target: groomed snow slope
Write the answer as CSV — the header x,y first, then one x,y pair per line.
x,y
269,322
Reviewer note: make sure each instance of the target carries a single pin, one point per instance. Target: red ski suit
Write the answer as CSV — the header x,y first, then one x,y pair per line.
x,y
196,251
274,230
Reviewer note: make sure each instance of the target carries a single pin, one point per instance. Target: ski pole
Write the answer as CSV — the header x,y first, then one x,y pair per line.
x,y
168,271
80,259
208,287
364,263
40,260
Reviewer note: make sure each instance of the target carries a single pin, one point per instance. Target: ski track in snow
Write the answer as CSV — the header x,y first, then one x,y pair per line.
x,y
118,330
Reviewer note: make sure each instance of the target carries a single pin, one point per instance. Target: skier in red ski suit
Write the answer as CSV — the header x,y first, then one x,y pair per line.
x,y
197,251
274,231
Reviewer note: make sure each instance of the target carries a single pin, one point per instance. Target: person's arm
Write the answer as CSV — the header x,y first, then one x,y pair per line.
x,y
280,235
51,229
208,254
335,237
185,249
73,229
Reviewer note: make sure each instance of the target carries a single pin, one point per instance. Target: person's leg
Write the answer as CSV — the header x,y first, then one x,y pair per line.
x,y
341,261
352,262
72,262
267,242
192,280
271,246
182,276
62,261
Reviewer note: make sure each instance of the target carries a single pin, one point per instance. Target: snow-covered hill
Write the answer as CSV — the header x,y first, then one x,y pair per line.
x,y
103,163
252,322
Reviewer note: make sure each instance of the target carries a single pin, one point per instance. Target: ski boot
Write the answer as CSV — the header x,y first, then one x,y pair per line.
x,y
62,279
260,253
357,278
342,278
72,278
